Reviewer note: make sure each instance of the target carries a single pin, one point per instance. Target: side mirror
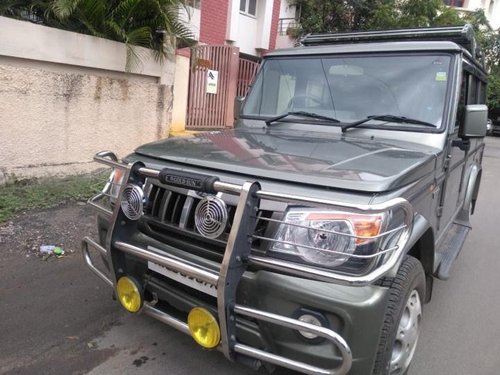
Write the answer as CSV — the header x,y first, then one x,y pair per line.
x,y
475,119
238,103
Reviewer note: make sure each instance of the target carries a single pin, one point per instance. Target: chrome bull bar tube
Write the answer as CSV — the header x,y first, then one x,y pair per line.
x,y
238,254
294,324
163,317
94,202
310,272
328,334
87,241
108,158
166,261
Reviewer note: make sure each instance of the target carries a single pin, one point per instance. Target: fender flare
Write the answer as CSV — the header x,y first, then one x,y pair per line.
x,y
423,235
472,188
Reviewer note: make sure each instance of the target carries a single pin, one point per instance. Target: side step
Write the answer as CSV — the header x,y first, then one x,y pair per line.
x,y
450,248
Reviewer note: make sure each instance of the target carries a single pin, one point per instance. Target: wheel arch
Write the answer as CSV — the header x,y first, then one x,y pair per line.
x,y
472,192
421,247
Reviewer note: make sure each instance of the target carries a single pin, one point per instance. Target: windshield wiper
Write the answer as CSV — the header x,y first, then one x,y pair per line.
x,y
303,114
389,118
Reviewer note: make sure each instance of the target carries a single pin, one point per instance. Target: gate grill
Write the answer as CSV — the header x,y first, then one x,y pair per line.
x,y
205,110
246,73
209,111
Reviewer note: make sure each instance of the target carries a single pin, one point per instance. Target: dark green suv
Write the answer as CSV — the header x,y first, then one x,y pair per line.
x,y
309,235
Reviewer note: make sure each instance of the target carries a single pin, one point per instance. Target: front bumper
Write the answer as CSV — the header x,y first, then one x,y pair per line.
x,y
256,308
354,315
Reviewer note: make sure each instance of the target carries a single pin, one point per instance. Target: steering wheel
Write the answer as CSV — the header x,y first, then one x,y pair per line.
x,y
300,101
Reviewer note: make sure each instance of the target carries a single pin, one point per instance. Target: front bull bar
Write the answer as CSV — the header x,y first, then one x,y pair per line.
x,y
212,278
236,258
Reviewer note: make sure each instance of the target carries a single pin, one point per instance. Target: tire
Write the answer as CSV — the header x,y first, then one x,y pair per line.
x,y
402,321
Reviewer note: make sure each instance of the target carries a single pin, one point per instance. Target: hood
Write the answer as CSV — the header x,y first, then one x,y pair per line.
x,y
317,158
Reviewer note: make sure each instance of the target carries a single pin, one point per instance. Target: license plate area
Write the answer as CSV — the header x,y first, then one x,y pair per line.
x,y
184,279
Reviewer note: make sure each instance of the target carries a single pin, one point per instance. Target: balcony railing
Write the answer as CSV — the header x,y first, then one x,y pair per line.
x,y
286,25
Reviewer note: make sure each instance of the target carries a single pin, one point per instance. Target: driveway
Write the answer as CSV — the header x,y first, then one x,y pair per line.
x,y
57,318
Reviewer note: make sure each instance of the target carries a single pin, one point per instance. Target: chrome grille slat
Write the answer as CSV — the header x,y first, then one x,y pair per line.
x,y
155,191
176,209
186,209
163,207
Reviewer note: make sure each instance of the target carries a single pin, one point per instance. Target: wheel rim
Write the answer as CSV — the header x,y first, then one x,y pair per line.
x,y
407,334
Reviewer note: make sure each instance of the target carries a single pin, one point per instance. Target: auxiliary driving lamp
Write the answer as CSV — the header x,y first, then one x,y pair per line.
x,y
203,327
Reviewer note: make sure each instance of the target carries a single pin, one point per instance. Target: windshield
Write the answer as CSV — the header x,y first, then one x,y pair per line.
x,y
350,89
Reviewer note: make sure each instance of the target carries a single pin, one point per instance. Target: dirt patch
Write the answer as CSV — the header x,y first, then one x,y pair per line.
x,y
51,308
62,226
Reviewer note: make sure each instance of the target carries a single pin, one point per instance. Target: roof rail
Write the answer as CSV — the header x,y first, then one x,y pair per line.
x,y
462,35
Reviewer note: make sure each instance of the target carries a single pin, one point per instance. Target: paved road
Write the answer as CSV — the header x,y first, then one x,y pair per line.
x,y
461,334
56,318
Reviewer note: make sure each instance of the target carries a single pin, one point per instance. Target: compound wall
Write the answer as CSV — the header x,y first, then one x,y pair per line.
x,y
65,96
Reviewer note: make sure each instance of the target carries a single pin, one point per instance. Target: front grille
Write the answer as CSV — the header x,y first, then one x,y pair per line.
x,y
170,213
177,209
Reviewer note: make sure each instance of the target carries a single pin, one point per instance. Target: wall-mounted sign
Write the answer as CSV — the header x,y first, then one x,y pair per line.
x,y
202,63
212,78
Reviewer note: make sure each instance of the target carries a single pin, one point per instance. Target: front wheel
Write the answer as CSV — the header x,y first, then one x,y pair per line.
x,y
402,321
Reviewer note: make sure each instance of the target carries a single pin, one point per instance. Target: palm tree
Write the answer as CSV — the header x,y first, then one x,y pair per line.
x,y
143,23
152,24
28,10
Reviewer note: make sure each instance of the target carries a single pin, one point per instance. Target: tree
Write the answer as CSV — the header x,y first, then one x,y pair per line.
x,y
29,10
141,23
413,13
144,23
489,41
345,15
335,15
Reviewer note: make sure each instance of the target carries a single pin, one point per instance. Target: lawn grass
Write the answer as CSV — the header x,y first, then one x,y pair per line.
x,y
48,192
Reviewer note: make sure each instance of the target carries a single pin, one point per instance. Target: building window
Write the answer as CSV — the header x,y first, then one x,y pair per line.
x,y
455,3
193,3
248,7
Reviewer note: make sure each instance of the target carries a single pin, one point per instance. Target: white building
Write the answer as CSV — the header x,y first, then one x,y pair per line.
x,y
287,25
491,9
250,25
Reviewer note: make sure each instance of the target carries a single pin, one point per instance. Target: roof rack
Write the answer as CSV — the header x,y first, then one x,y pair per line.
x,y
462,35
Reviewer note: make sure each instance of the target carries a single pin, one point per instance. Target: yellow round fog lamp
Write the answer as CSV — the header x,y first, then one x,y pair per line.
x,y
203,327
128,293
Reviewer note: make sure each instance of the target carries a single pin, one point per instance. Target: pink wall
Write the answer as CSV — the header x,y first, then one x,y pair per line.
x,y
213,23
274,25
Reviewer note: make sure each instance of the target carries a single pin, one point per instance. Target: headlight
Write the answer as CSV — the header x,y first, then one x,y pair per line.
x,y
112,187
325,238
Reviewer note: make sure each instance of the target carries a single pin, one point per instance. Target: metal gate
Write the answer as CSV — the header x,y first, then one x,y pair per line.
x,y
217,75
246,73
212,110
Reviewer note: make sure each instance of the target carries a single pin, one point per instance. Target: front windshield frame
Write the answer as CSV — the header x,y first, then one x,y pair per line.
x,y
373,124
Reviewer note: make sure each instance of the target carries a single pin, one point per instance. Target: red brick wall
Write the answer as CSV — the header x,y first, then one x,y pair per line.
x,y
274,24
213,22
186,52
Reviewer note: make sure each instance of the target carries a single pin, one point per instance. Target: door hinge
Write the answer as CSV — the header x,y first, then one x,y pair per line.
x,y
439,211
446,163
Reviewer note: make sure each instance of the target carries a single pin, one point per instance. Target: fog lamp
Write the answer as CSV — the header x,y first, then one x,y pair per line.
x,y
311,319
129,294
203,327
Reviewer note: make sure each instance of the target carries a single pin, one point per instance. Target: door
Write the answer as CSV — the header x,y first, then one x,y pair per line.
x,y
456,159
